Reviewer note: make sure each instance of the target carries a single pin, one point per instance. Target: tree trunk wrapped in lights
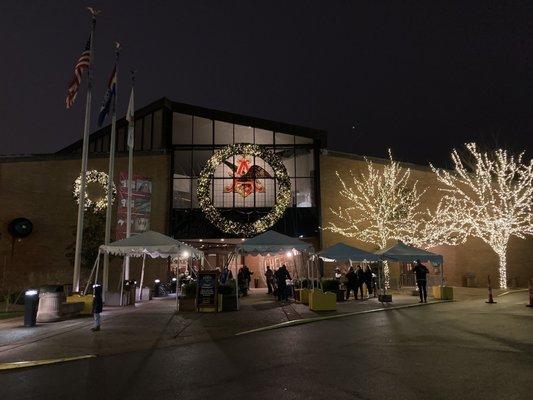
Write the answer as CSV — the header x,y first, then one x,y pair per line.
x,y
385,206
492,199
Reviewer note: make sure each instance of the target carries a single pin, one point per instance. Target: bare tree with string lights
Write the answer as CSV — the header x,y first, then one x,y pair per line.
x,y
491,198
385,205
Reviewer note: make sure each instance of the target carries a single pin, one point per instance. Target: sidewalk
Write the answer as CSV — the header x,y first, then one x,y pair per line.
x,y
155,324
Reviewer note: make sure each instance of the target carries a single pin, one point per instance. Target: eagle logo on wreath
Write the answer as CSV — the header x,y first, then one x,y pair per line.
x,y
246,177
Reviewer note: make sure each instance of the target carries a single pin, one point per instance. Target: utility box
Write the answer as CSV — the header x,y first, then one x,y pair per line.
x,y
443,292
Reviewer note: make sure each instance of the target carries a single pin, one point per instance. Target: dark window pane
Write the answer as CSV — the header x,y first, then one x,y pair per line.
x,y
147,133
283,138
303,140
304,163
91,146
158,129
305,193
182,162
138,134
199,158
105,145
223,133
182,129
264,137
244,134
181,193
203,131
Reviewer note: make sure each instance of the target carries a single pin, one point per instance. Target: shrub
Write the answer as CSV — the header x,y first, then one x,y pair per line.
x,y
330,285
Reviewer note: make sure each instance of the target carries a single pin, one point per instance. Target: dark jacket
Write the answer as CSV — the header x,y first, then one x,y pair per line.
x,y
281,275
367,275
352,278
269,274
420,271
98,303
360,276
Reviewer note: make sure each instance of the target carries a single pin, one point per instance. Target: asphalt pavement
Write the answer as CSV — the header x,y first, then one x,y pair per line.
x,y
460,350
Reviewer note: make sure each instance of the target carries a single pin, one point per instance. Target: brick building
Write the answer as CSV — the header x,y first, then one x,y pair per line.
x,y
173,141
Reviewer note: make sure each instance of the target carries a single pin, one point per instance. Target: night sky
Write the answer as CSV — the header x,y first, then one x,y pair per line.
x,y
418,77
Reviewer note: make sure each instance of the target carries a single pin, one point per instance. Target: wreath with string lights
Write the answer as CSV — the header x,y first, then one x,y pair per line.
x,y
283,196
95,177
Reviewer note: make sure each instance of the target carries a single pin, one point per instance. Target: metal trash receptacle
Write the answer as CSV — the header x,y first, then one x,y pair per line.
x,y
31,303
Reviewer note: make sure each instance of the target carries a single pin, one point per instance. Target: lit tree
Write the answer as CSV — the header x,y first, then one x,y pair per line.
x,y
385,205
492,198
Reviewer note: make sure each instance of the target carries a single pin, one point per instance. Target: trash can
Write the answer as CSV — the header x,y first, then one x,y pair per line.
x,y
31,302
50,299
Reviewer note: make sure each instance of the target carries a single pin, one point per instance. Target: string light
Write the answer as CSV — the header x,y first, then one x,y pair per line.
x,y
385,206
94,176
491,198
283,194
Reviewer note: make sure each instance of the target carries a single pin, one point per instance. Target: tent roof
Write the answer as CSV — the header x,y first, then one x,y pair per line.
x,y
404,253
343,252
271,242
152,243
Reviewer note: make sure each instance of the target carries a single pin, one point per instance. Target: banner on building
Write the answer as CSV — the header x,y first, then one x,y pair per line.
x,y
141,206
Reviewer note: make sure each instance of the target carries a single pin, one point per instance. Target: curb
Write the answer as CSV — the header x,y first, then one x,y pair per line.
x,y
303,321
35,363
511,292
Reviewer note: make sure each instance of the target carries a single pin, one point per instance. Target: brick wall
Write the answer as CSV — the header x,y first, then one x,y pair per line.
x,y
41,190
473,257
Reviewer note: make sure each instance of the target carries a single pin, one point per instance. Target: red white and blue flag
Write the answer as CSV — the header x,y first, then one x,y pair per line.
x,y
81,65
109,96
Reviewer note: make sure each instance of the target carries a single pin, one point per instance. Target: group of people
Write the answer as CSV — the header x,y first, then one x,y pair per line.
x,y
277,282
244,277
356,279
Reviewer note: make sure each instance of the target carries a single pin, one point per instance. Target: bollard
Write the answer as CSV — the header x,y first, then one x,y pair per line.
x,y
491,299
31,301
530,293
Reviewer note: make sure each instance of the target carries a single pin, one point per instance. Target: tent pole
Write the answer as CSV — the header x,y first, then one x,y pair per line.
x,y
97,268
90,277
142,278
122,277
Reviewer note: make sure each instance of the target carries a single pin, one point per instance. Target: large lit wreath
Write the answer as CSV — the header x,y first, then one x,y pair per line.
x,y
94,177
283,196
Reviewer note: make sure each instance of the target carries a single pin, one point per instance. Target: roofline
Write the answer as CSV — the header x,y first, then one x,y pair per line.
x,y
225,116
13,158
376,160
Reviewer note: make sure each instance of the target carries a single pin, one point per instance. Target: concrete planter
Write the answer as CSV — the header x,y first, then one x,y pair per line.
x,y
303,295
443,292
319,301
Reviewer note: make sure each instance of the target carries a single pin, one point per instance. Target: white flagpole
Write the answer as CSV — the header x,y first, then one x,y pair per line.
x,y
131,132
85,149
110,175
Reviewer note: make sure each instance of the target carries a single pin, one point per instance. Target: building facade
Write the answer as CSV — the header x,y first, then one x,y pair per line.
x,y
173,142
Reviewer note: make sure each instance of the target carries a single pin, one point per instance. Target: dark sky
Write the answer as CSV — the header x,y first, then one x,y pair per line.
x,y
418,77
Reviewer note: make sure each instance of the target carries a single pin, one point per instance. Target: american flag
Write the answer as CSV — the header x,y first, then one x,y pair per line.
x,y
83,62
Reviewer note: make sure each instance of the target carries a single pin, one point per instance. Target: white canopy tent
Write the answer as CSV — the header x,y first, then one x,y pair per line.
x,y
270,243
153,244
342,252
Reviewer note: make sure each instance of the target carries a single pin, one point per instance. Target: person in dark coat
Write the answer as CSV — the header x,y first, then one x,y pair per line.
x,y
247,276
241,281
421,271
281,279
98,305
269,275
367,279
360,279
351,283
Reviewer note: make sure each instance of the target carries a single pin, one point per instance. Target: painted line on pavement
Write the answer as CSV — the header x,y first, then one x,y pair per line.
x,y
35,363
326,317
511,292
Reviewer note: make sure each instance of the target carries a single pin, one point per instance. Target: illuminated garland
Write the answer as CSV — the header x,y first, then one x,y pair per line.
x,y
94,177
491,196
283,196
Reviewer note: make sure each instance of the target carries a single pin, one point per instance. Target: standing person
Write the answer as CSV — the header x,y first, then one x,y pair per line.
x,y
421,271
225,276
247,276
241,281
281,276
360,276
269,275
367,278
351,283
98,305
